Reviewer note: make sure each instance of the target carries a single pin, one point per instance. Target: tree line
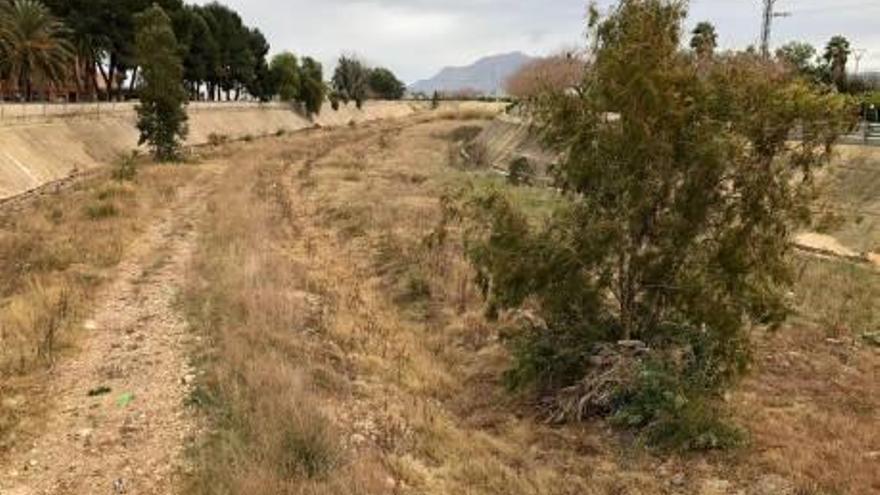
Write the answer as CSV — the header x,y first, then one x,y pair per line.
x,y
86,50
829,67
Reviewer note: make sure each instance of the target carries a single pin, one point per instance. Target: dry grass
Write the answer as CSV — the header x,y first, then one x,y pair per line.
x,y
850,204
348,355
56,251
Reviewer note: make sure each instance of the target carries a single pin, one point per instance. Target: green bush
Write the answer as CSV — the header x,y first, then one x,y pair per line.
x,y
671,413
672,229
101,211
520,172
126,168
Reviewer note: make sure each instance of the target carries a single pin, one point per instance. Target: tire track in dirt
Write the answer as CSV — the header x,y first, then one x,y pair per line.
x,y
130,439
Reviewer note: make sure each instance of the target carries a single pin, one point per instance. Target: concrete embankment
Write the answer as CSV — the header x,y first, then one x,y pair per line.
x,y
508,138
40,144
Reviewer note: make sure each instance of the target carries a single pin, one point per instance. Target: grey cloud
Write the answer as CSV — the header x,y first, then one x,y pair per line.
x,y
415,38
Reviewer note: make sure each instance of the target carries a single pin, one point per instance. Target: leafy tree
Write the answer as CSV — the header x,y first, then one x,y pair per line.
x,y
384,84
286,73
553,74
800,56
201,57
350,81
86,21
312,87
161,113
33,46
680,192
836,56
704,39
262,84
236,61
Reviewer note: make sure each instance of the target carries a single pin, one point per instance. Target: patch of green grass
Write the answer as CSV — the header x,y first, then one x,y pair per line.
x,y
537,203
101,211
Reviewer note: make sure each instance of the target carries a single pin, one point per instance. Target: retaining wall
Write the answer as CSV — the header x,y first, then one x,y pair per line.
x,y
44,143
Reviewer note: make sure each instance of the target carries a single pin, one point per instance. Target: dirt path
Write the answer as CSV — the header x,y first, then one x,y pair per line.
x,y
130,438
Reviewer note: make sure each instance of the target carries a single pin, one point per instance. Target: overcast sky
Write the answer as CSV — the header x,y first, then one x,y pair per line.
x,y
416,38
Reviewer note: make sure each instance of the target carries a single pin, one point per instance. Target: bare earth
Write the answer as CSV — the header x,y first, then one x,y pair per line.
x,y
131,438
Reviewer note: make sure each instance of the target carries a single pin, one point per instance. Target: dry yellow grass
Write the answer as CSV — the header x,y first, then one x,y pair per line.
x,y
345,354
56,251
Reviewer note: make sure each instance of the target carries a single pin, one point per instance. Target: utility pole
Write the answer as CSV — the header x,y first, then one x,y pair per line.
x,y
767,25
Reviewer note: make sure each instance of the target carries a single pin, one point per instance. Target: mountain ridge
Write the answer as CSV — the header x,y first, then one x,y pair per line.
x,y
486,76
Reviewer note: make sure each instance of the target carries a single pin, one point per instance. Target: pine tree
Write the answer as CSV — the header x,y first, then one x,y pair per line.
x,y
161,112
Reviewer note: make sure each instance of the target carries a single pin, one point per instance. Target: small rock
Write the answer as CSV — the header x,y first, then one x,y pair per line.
x,y
188,379
13,474
90,325
84,433
875,455
773,484
33,463
390,482
715,487
678,479
358,439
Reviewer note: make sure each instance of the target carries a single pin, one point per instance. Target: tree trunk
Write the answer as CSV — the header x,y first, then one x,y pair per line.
x,y
111,78
106,79
134,75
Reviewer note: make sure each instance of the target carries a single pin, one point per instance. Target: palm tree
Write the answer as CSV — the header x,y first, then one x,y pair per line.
x,y
836,56
33,44
704,39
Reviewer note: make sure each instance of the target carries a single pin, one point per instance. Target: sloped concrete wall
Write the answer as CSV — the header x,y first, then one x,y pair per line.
x,y
42,144
507,138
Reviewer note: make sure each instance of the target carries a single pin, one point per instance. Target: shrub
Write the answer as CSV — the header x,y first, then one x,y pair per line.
x,y
161,113
676,216
126,168
215,139
465,133
101,211
520,172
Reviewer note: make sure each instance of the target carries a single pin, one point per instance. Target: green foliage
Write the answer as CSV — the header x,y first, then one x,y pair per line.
x,y
671,416
161,113
101,211
836,56
286,74
799,56
312,88
126,168
704,39
520,172
33,46
350,81
680,190
384,84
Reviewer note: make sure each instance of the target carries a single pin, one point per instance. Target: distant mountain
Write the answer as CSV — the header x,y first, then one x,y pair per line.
x,y
486,76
